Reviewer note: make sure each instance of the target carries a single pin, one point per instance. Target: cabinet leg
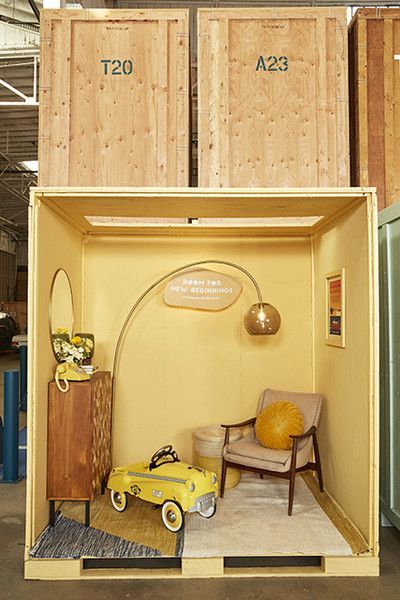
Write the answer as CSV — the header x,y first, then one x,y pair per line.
x,y
52,512
87,513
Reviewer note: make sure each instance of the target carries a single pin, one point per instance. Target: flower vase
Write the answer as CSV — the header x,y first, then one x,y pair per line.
x,y
89,336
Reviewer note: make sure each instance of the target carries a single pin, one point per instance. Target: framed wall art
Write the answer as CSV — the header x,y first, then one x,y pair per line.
x,y
335,309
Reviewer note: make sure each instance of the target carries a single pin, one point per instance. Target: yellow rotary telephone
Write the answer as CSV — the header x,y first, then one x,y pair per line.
x,y
69,371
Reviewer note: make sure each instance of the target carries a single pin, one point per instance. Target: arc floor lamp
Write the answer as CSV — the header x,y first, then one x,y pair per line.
x,y
260,319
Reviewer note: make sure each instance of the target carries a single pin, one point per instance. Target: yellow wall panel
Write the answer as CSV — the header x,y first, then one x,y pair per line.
x,y
181,369
54,245
343,374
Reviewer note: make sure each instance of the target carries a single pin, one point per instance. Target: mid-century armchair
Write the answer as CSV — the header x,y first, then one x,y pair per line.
x,y
249,455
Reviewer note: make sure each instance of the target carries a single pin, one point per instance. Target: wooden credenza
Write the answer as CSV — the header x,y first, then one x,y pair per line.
x,y
79,440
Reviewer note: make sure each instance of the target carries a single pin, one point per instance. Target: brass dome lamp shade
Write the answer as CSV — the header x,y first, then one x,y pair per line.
x,y
260,319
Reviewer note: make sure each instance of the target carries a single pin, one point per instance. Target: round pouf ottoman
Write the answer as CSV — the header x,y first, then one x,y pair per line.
x,y
208,448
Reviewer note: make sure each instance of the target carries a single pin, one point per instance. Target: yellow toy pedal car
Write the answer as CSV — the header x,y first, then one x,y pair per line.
x,y
177,486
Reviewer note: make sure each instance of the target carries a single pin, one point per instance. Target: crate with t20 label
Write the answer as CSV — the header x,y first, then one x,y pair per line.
x,y
114,100
273,99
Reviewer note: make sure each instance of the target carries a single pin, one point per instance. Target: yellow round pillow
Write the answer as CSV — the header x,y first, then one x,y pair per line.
x,y
276,422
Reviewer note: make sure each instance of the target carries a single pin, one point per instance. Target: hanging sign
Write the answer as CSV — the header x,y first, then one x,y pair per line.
x,y
202,289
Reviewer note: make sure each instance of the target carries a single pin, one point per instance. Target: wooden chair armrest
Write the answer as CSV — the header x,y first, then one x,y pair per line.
x,y
306,434
243,424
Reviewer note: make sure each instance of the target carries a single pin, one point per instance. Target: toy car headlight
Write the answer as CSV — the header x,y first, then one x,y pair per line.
x,y
213,479
192,487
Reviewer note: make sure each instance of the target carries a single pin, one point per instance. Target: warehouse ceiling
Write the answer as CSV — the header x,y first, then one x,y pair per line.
x,y
19,51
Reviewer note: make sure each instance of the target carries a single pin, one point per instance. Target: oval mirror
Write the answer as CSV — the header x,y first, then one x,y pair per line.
x,y
61,308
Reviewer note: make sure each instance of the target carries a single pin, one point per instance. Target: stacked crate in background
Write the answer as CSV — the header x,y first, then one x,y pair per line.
x,y
114,98
273,97
272,88
375,101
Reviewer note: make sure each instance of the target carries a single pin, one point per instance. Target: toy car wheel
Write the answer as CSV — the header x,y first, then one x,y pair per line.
x,y
172,516
208,512
119,500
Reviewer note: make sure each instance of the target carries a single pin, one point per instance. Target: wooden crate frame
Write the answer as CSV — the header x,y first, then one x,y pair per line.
x,y
169,156
215,126
202,568
374,39
71,204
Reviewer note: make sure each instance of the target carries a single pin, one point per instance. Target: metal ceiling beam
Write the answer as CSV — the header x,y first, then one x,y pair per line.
x,y
26,180
35,9
26,100
25,24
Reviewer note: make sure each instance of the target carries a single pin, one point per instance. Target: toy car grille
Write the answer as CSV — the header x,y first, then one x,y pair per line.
x,y
203,502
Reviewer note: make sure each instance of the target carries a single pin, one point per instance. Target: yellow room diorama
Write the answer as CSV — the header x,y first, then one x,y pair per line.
x,y
158,487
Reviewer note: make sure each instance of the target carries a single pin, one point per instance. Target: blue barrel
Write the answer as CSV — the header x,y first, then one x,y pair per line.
x,y
10,439
23,361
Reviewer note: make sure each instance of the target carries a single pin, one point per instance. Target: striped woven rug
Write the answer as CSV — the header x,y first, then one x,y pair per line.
x,y
70,539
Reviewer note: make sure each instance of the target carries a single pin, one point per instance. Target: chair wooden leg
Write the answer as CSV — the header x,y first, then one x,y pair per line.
x,y
318,462
223,478
292,477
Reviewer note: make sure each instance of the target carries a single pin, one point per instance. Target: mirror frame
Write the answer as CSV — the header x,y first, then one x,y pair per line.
x,y
60,270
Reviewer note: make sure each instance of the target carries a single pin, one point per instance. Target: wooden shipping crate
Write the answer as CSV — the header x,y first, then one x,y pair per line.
x,y
180,369
273,97
114,98
374,44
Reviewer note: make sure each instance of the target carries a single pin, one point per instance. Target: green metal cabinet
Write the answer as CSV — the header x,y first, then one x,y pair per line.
x,y
389,296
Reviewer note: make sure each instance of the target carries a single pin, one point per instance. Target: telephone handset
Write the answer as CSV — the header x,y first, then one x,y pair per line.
x,y
67,372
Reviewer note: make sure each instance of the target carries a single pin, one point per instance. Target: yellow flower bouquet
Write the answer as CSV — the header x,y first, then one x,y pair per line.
x,y
76,349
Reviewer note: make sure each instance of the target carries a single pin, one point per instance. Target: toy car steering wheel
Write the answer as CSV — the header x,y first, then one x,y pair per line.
x,y
164,452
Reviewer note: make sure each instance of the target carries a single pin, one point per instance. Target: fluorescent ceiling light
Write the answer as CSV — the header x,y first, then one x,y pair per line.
x,y
264,221
133,221
101,221
31,165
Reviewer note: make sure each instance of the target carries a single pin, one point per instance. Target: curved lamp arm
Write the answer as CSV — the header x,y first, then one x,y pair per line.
x,y
167,276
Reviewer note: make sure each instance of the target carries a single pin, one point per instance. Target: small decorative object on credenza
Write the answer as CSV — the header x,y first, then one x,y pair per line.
x,y
71,353
77,349
166,481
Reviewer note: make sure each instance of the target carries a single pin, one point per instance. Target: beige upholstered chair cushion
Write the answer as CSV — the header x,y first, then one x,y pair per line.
x,y
249,452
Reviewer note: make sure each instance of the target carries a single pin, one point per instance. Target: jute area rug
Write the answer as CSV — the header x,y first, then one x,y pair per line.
x,y
139,523
252,520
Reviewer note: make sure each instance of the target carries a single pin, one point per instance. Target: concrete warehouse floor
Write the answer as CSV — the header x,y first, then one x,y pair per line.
x,y
14,587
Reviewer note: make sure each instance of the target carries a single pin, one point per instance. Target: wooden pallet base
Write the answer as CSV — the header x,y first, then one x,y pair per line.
x,y
192,568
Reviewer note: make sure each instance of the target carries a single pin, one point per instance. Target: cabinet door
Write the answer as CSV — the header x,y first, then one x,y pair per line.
x,y
69,442
101,406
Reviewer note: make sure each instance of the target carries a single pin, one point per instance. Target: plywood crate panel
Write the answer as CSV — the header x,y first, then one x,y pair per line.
x,y
117,123
375,101
284,123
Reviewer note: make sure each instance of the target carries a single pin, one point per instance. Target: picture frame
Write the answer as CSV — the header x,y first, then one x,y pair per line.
x,y
335,286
